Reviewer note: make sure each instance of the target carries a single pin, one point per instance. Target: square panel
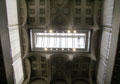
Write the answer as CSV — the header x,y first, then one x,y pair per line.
x,y
78,2
42,20
89,21
88,11
31,2
78,11
31,20
32,11
77,20
42,2
42,11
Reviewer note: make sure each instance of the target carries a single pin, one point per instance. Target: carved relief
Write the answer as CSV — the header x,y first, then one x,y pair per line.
x,y
39,66
58,66
80,68
60,13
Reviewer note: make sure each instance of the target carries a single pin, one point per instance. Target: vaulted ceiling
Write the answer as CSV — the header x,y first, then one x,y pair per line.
x,y
60,14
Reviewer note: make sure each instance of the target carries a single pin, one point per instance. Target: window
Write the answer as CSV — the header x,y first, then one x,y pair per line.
x,y
56,41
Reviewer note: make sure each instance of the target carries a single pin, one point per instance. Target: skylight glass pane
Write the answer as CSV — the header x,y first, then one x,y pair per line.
x,y
81,42
63,43
69,39
60,40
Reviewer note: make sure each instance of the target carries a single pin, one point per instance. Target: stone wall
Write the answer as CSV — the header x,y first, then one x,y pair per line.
x,y
13,27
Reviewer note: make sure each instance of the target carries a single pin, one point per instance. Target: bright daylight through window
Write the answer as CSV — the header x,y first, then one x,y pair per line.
x,y
75,41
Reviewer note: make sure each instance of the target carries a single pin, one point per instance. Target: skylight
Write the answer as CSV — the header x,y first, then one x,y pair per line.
x,y
60,41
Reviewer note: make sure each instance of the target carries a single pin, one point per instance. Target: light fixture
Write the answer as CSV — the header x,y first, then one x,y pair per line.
x,y
51,31
69,31
62,49
70,57
45,31
51,49
74,31
74,49
46,49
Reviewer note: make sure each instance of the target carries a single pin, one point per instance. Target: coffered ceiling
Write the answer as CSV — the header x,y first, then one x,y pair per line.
x,y
59,14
